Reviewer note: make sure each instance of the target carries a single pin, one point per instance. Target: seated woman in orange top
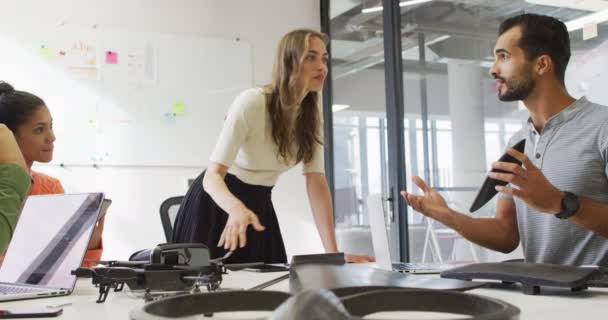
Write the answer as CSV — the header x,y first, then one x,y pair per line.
x,y
28,117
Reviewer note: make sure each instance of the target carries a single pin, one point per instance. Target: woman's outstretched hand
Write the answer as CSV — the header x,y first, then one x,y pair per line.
x,y
235,232
355,258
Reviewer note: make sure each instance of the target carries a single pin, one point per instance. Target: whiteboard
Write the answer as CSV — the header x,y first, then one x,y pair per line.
x,y
127,98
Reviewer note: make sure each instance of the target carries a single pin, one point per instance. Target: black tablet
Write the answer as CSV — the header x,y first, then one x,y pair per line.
x,y
488,190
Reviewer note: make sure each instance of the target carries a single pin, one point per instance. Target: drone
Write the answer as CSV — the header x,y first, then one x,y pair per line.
x,y
183,267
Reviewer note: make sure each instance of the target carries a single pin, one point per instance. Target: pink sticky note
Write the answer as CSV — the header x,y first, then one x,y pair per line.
x,y
111,57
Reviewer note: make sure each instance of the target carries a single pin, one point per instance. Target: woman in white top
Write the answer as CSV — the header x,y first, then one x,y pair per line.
x,y
266,132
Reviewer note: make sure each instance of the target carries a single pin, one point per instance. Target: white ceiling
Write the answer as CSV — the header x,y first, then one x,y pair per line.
x,y
337,7
588,5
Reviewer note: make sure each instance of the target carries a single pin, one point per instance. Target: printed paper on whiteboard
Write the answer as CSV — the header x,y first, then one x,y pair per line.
x,y
81,60
141,63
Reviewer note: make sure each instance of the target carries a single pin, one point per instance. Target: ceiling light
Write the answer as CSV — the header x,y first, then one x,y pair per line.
x,y
401,4
584,5
339,107
579,23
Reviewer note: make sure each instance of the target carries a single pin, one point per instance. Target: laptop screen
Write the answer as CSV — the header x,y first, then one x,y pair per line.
x,y
379,233
51,239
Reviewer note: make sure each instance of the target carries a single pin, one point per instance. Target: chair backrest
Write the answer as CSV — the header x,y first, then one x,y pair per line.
x,y
168,212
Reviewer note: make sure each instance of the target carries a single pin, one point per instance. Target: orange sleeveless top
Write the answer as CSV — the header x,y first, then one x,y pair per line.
x,y
44,184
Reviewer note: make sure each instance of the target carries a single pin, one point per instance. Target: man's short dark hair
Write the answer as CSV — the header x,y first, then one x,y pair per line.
x,y
542,35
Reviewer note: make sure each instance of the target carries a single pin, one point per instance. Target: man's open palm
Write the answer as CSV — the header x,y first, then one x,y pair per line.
x,y
430,203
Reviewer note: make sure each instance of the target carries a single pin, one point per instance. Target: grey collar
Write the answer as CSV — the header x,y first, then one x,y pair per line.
x,y
563,116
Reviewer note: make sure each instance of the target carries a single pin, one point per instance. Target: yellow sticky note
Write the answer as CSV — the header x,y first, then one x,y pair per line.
x,y
179,108
45,52
93,124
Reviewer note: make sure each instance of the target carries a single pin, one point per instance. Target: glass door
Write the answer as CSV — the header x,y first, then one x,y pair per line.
x,y
359,122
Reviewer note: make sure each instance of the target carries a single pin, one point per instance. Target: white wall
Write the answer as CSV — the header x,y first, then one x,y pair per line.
x,y
133,220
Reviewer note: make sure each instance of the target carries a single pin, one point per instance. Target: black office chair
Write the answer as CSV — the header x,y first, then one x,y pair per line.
x,y
168,212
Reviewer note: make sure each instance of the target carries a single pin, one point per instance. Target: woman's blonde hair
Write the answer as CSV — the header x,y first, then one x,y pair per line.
x,y
283,92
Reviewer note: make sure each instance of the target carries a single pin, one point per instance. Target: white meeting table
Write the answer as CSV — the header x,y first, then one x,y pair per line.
x,y
589,304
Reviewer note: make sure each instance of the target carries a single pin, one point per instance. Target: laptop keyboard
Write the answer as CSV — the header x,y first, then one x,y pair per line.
x,y
409,266
6,289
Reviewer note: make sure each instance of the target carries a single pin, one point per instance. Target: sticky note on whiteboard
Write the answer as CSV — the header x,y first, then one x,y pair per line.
x,y
45,52
179,108
170,117
111,57
589,31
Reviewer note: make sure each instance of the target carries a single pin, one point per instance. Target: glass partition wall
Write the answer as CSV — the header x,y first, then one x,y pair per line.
x,y
359,125
453,125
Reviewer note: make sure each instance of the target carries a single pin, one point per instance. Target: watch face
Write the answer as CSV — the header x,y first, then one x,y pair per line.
x,y
570,202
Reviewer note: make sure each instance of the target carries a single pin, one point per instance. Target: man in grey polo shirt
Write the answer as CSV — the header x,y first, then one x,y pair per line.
x,y
557,203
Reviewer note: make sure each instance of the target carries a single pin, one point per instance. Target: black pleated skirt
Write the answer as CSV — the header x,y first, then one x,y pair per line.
x,y
201,220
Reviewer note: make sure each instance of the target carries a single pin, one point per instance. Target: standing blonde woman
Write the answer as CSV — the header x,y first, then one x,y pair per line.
x,y
266,132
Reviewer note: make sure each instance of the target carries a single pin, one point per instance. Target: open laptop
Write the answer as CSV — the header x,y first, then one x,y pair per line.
x,y
50,240
382,248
